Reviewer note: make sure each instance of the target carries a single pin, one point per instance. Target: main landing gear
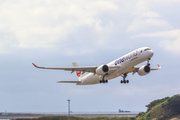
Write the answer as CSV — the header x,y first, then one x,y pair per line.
x,y
103,81
124,79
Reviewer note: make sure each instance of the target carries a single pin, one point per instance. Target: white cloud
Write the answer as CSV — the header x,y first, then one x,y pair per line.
x,y
140,7
170,40
171,45
145,19
150,14
43,23
171,33
76,52
48,24
145,24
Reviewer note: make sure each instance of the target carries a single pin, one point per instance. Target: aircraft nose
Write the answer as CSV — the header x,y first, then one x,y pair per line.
x,y
151,53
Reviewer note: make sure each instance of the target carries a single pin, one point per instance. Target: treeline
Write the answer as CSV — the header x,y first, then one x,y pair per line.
x,y
161,109
76,118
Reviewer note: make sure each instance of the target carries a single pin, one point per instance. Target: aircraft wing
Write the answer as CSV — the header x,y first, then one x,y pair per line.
x,y
84,69
69,81
135,69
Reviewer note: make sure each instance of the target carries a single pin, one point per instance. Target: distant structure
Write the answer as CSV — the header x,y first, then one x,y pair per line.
x,y
122,111
4,113
69,108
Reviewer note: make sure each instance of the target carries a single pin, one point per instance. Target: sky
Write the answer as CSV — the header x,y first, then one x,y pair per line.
x,y
55,33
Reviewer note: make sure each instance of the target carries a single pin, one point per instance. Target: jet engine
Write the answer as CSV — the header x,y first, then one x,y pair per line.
x,y
144,70
101,70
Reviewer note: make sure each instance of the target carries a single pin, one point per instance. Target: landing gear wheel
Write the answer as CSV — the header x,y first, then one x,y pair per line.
x,y
104,81
124,79
148,64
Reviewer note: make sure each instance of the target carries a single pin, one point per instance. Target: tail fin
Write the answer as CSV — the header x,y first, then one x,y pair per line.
x,y
79,73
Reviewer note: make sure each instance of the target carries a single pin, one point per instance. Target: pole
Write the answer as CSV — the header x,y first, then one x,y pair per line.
x,y
69,108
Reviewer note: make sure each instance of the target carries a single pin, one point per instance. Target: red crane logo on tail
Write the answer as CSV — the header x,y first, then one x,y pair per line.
x,y
78,73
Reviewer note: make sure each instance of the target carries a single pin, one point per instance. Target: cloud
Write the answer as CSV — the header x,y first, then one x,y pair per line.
x,y
57,24
170,40
42,23
148,24
146,19
172,46
171,33
71,52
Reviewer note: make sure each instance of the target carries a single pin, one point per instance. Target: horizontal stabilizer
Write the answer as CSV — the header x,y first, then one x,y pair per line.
x,y
69,81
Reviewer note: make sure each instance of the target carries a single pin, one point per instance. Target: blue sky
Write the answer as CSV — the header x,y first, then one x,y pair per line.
x,y
56,33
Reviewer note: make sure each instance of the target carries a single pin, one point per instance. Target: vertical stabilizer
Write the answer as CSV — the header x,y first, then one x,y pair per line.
x,y
79,73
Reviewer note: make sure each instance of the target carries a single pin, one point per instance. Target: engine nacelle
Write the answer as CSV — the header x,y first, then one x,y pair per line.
x,y
144,70
101,70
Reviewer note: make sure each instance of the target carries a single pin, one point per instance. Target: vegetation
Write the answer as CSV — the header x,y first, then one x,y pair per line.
x,y
161,109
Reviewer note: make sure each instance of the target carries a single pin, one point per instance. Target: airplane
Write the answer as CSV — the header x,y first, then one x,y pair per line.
x,y
119,67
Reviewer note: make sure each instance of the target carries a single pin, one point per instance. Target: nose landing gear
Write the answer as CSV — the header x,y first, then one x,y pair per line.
x,y
148,64
124,79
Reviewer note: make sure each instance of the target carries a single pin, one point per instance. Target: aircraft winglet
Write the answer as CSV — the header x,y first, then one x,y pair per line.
x,y
34,65
159,66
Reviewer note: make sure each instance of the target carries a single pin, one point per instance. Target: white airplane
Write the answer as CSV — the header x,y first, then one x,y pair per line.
x,y
119,67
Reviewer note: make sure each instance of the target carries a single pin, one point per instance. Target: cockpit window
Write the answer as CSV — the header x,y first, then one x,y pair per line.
x,y
147,49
